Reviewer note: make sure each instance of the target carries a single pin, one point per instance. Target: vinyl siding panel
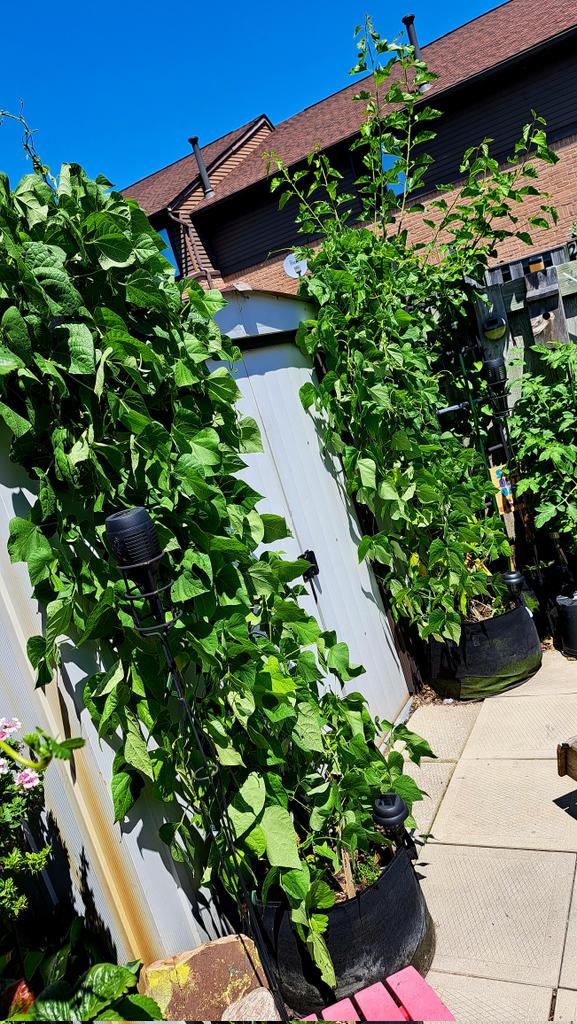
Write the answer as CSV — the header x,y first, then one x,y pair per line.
x,y
498,109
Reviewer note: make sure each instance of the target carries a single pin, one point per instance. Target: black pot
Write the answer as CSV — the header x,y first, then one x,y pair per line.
x,y
380,931
491,656
567,612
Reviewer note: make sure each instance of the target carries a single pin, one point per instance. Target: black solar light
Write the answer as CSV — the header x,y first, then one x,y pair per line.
x,y
133,540
389,814
132,537
514,581
494,328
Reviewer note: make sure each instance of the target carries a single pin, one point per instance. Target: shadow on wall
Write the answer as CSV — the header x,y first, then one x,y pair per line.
x,y
59,898
145,824
94,923
19,491
148,814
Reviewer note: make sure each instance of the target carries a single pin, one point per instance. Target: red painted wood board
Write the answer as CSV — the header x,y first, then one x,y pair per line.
x,y
417,996
375,1003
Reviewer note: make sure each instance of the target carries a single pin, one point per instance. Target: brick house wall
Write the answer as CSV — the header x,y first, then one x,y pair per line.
x,y
268,276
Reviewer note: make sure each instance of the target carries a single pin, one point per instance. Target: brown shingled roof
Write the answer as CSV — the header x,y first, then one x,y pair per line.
x,y
157,190
476,47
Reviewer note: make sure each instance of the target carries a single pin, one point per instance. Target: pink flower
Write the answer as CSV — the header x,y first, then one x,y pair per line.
x,y
28,778
7,727
4,766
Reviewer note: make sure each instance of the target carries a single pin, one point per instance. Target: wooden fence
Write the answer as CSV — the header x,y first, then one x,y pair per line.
x,y
537,296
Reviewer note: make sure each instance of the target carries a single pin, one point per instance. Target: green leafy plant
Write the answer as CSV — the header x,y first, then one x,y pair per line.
x,y
58,948
106,390
63,973
21,798
390,316
543,427
104,992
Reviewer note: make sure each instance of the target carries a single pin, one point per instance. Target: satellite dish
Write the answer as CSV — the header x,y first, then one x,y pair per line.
x,y
294,267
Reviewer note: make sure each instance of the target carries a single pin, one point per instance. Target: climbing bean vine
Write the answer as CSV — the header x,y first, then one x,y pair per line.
x,y
393,287
106,392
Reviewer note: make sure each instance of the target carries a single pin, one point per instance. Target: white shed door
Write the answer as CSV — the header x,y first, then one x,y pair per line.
x,y
307,489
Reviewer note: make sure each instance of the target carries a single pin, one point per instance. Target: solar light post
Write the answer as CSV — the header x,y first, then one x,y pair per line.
x,y
496,375
495,371
133,540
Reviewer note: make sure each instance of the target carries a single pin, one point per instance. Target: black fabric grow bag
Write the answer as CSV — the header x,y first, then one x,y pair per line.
x,y
491,656
567,612
383,929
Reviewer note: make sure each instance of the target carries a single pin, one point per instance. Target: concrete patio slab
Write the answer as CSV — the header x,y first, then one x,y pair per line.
x,y
433,777
513,804
566,1006
445,726
528,728
499,914
556,675
472,1000
568,977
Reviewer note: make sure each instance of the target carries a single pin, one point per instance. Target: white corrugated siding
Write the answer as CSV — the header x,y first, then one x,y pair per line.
x,y
308,489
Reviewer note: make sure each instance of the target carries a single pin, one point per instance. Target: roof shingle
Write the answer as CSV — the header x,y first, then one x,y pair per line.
x,y
157,190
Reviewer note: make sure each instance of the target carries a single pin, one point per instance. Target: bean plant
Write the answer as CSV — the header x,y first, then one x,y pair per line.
x,y
543,427
106,391
391,312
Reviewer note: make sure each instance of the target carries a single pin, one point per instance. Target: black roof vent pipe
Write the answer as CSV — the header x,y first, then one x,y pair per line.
x,y
206,186
409,23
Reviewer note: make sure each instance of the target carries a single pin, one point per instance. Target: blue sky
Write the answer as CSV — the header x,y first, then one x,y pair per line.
x,y
119,88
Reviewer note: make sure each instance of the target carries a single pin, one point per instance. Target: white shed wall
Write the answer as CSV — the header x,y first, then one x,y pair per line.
x,y
308,488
